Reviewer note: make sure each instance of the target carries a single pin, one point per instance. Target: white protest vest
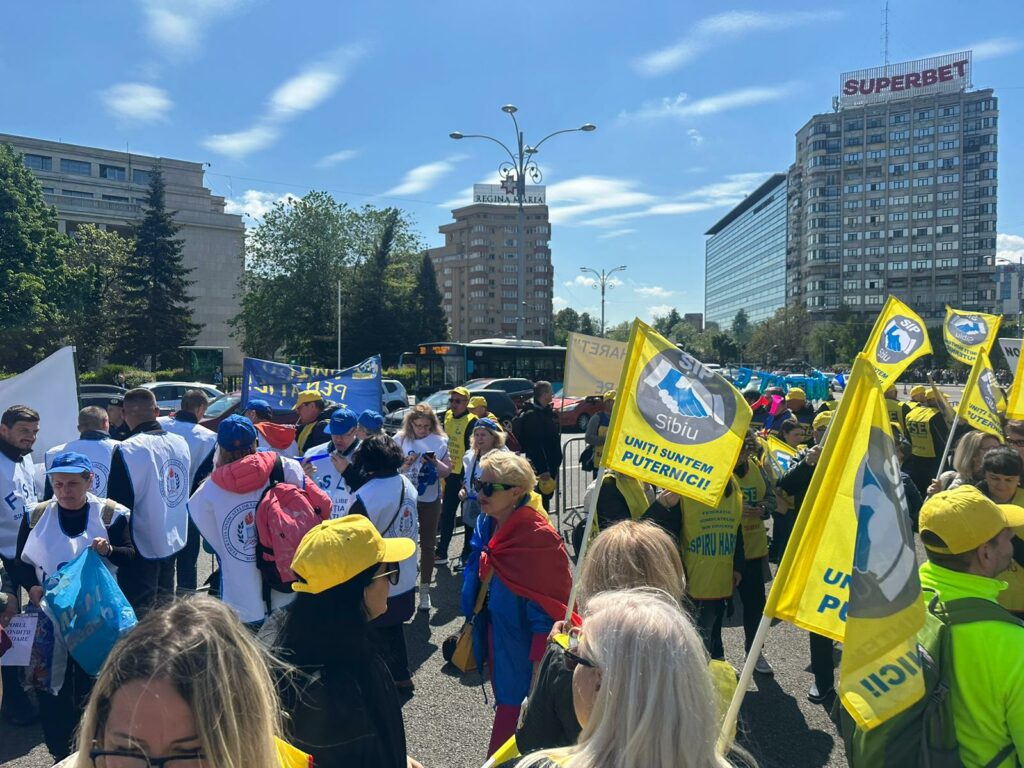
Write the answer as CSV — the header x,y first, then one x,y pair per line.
x,y
330,480
381,498
17,497
98,452
201,442
158,465
436,443
48,547
227,521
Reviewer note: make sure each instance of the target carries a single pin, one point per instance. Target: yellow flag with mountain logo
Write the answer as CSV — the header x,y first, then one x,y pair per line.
x,y
968,333
897,339
983,399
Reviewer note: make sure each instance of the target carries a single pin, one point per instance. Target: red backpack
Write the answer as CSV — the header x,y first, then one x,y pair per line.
x,y
284,514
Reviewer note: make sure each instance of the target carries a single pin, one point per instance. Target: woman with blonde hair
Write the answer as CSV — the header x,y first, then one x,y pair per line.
x,y
425,448
487,436
670,721
967,459
189,685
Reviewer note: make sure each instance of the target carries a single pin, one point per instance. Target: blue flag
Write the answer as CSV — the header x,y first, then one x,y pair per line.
x,y
358,387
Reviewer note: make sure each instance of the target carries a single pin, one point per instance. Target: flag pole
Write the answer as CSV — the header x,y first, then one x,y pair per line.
x,y
949,441
732,714
586,543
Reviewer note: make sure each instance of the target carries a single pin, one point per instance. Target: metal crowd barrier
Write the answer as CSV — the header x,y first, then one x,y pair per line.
x,y
572,484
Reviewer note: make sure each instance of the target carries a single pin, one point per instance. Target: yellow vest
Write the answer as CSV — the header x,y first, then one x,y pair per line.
x,y
920,433
602,431
895,410
455,428
755,535
1012,598
708,543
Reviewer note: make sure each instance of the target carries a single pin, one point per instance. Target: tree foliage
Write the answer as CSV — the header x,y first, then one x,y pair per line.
x,y
566,321
587,325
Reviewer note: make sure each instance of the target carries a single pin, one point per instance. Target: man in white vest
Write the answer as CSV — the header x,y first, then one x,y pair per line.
x,y
202,444
19,426
93,441
332,466
149,474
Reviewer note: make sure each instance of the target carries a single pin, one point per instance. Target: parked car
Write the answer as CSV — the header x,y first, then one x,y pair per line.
x,y
98,394
225,405
168,394
498,403
520,390
393,395
575,412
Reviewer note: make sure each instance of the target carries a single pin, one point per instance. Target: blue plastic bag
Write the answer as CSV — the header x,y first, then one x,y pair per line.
x,y
88,609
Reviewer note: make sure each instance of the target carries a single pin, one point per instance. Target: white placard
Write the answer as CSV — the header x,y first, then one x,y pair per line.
x,y
22,631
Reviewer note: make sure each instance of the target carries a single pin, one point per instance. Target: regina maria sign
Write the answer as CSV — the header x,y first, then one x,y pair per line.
x,y
940,74
497,193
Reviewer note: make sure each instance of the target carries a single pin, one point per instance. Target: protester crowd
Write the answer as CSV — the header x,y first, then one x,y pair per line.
x,y
327,535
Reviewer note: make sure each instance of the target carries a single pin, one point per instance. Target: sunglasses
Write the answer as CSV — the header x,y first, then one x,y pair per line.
x,y
572,657
488,489
391,575
1014,442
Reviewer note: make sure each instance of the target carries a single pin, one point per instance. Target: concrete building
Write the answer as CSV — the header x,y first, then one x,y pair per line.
x,y
1009,283
745,257
108,188
694,319
894,192
478,274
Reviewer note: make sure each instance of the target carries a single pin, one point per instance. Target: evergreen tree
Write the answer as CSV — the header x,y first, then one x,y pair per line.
x,y
156,313
429,322
368,320
587,325
566,321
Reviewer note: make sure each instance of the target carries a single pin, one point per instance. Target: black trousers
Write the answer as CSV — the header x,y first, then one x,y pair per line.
x,y
185,562
822,664
59,714
449,507
782,528
708,616
751,590
146,582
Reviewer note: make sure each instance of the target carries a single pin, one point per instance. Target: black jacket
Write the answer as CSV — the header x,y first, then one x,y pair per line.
x,y
550,719
540,438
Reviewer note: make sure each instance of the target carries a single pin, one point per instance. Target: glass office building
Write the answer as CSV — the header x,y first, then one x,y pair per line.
x,y
745,257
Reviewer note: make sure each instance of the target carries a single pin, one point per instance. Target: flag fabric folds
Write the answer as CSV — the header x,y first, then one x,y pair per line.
x,y
968,333
676,423
1015,400
897,339
983,399
849,572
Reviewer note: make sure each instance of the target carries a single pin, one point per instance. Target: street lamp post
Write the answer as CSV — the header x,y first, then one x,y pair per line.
x,y
603,283
522,165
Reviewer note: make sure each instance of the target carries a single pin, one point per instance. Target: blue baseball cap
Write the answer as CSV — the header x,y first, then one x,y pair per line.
x,y
342,422
262,408
371,421
235,432
486,423
71,462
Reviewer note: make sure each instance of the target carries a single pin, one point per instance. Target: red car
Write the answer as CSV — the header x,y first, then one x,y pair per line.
x,y
226,405
575,412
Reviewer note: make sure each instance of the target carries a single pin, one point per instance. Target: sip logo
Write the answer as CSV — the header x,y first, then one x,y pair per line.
x,y
900,338
989,388
173,482
968,329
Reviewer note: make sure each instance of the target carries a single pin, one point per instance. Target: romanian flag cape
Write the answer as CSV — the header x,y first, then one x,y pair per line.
x,y
521,553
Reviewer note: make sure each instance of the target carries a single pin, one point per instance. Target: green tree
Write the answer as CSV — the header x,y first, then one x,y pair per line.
x,y
664,324
781,337
429,322
33,274
155,315
587,325
566,321
618,332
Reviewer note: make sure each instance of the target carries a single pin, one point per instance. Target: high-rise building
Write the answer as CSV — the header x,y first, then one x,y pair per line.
x,y
478,273
894,192
745,257
106,188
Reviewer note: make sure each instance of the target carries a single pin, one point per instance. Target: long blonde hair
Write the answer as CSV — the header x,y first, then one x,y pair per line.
x,y
201,648
419,411
655,706
963,457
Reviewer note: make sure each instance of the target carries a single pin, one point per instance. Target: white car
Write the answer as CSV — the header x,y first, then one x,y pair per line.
x,y
393,395
168,394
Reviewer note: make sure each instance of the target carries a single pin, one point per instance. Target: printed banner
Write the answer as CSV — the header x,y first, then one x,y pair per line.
x,y
850,572
898,338
21,632
816,387
1011,351
676,424
983,399
592,365
50,387
358,387
968,333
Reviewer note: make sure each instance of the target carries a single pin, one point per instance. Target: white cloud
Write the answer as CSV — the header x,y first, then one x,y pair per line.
x,y
696,138
423,177
725,27
557,302
1010,247
584,195
334,158
659,310
585,281
137,102
680,106
294,96
177,27
993,48
655,292
256,203
616,233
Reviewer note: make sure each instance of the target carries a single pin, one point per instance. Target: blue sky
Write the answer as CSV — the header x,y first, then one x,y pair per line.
x,y
695,103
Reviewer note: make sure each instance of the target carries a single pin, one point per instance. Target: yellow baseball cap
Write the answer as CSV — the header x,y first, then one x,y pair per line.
x,y
309,396
965,518
337,550
796,394
459,391
918,390
477,402
609,395
547,485
822,420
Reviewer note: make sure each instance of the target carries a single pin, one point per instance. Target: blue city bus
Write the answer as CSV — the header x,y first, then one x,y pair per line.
x,y
446,364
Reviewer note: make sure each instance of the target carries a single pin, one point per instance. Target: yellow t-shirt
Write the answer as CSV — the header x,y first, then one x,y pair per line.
x,y
755,535
919,431
708,544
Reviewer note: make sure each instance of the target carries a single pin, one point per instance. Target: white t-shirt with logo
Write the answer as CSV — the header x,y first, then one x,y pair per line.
x,y
17,497
330,480
98,452
394,515
436,443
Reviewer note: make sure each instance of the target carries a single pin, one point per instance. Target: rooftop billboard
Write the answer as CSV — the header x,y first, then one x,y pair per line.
x,y
939,74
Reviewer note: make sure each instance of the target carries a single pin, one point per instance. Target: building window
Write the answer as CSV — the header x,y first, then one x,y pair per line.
x,y
926,114
951,110
899,135
949,178
78,167
897,266
923,132
875,299
49,191
140,176
923,148
39,162
115,198
75,193
113,172
949,144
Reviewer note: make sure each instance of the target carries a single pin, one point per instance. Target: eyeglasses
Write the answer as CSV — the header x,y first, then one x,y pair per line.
x,y
572,658
488,489
103,758
1015,442
391,575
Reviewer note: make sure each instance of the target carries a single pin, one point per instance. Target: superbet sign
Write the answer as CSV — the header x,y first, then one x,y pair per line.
x,y
941,74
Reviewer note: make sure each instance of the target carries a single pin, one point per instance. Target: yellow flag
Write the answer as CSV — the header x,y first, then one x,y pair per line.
x,y
1015,400
897,339
982,399
676,424
778,456
849,571
968,333
592,365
